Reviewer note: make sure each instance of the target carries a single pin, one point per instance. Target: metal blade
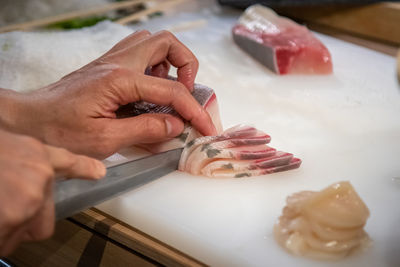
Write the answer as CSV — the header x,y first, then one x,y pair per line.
x,y
72,196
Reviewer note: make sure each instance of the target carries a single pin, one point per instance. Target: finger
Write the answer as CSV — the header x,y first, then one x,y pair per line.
x,y
146,128
10,243
159,47
165,45
130,40
160,70
75,166
42,224
171,93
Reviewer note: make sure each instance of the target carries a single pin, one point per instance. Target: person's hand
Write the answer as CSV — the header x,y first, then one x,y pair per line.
x,y
78,112
27,174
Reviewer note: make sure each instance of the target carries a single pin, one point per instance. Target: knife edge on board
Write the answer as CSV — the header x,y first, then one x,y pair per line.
x,y
74,195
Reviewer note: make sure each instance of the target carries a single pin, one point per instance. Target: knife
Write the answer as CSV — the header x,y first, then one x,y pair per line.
x,y
74,195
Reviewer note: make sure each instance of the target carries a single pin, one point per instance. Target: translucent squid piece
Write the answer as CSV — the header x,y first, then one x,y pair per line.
x,y
280,44
323,225
240,151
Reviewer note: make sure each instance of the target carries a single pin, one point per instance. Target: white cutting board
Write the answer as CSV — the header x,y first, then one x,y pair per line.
x,y
345,126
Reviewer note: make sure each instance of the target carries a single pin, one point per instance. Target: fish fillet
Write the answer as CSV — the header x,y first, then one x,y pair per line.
x,y
280,44
323,225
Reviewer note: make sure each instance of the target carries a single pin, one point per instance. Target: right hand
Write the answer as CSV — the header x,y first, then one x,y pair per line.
x,y
28,168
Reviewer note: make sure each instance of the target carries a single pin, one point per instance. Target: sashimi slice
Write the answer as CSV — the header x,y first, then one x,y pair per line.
x,y
293,164
235,136
240,151
280,44
275,159
205,154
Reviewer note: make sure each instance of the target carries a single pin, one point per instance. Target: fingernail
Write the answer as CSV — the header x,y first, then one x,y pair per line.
x,y
173,126
168,126
214,130
100,169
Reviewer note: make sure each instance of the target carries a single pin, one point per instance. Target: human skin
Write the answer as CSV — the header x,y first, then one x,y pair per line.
x,y
79,111
28,168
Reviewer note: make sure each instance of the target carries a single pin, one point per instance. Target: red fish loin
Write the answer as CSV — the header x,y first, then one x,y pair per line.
x,y
280,44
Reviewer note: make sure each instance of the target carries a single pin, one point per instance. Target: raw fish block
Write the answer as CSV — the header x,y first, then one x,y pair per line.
x,y
204,95
280,44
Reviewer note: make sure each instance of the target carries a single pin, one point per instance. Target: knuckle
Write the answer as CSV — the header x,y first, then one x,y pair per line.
x,y
153,126
177,90
166,34
104,147
34,198
69,158
45,171
32,143
47,232
12,218
146,32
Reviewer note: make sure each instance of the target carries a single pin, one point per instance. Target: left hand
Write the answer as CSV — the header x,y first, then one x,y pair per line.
x,y
78,112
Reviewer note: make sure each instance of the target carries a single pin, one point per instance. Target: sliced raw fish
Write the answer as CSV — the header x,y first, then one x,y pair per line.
x,y
249,168
240,151
280,44
232,137
207,153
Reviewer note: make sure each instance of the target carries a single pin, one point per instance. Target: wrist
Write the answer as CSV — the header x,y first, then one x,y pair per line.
x,y
16,112
9,108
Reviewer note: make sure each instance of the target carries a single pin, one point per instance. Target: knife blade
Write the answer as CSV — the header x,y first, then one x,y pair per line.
x,y
74,195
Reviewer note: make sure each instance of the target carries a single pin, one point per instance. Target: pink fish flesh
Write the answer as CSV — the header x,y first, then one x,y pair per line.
x,y
226,156
280,44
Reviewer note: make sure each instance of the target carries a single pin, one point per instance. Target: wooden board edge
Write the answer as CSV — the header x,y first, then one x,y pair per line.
x,y
379,21
134,239
384,48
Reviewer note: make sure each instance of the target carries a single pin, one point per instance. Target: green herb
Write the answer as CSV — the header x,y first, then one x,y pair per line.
x,y
77,23
191,143
205,146
212,152
240,175
156,14
183,136
228,166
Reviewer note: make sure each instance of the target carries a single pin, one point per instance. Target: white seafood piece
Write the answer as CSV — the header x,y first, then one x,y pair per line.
x,y
323,225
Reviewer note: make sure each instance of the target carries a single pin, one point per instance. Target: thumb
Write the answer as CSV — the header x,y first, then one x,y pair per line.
x,y
146,128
